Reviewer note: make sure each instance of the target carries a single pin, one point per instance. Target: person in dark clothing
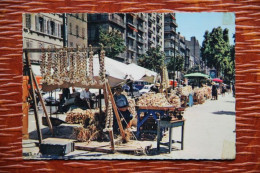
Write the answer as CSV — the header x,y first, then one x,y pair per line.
x,y
155,88
214,92
122,105
130,84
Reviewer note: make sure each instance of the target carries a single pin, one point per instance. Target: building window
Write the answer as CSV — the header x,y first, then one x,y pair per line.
x,y
77,30
83,33
28,21
52,24
71,44
41,24
70,29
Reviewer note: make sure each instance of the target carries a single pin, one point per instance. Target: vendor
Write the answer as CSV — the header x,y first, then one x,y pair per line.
x,y
122,105
85,98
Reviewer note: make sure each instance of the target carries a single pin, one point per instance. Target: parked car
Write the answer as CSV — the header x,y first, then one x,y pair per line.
x,y
145,89
140,84
52,98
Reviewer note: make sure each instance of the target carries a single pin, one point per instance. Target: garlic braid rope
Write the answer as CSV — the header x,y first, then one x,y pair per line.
x,y
65,74
91,75
43,66
102,73
84,75
109,117
72,67
78,67
49,79
56,68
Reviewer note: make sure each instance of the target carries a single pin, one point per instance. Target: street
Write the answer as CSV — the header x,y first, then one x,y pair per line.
x,y
209,133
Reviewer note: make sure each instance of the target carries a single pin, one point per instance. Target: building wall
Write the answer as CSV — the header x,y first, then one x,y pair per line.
x,y
42,30
77,29
138,34
170,36
194,49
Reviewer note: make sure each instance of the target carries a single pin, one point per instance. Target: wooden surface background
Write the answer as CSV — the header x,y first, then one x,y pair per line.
x,y
247,84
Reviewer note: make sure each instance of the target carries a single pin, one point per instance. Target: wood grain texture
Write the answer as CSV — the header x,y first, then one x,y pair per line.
x,y
247,84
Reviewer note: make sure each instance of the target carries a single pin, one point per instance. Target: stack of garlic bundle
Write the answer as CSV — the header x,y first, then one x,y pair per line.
x,y
152,99
207,91
93,128
131,108
200,93
174,100
79,116
185,91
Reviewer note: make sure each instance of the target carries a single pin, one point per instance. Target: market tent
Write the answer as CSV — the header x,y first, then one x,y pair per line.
x,y
137,72
115,71
196,75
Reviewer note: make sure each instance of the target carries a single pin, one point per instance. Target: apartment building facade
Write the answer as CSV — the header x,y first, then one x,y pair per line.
x,y
194,46
77,29
170,36
139,30
42,30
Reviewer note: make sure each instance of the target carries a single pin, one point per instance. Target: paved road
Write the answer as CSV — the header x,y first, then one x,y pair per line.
x,y
209,134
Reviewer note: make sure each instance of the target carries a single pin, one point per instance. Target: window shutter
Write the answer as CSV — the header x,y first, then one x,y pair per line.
x,y
56,29
36,23
44,26
49,27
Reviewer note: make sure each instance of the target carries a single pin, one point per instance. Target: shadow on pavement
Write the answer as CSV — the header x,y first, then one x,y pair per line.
x,y
59,132
225,113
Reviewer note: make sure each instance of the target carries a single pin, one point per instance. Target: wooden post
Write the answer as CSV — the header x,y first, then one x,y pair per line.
x,y
116,112
28,64
43,105
99,102
111,136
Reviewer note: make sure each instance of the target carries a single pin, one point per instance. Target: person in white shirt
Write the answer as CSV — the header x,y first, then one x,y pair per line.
x,y
85,96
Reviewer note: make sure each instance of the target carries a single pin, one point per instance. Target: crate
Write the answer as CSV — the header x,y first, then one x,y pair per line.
x,y
56,146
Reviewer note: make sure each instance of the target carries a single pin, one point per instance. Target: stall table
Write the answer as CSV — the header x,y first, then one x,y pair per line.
x,y
151,110
169,124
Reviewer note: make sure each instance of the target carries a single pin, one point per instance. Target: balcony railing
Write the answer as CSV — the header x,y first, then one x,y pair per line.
x,y
140,39
131,48
131,35
119,22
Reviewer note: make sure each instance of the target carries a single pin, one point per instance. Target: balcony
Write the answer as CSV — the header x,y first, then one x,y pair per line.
x,y
131,35
131,48
140,40
150,40
117,21
141,28
142,16
131,23
169,29
140,51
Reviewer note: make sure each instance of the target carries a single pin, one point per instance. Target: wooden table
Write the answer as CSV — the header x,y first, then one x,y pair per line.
x,y
169,124
150,110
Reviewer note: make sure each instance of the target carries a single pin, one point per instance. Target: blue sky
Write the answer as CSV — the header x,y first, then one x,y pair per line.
x,y
195,24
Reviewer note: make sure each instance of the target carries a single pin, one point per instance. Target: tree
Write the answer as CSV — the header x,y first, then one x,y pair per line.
x,y
153,59
179,64
216,51
114,40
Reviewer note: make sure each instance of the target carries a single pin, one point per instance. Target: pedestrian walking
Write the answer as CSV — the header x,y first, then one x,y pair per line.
x,y
214,91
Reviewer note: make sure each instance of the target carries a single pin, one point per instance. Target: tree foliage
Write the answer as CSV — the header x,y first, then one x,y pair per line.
x,y
216,52
178,63
153,59
114,40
